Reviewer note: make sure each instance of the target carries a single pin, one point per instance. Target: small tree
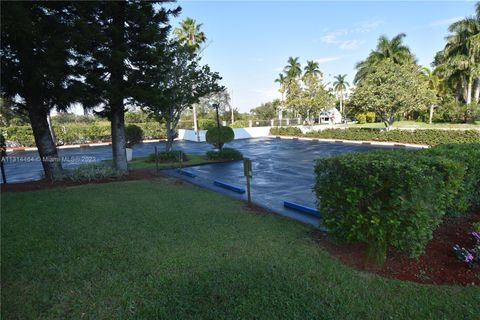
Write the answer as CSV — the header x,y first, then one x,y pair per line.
x,y
392,89
178,82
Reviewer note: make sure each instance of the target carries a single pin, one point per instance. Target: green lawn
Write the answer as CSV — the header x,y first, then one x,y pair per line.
x,y
156,250
415,124
142,163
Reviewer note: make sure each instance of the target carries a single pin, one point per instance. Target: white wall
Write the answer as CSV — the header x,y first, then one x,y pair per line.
x,y
240,133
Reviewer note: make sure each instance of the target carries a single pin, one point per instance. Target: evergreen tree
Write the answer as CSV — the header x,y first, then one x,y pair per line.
x,y
37,73
116,48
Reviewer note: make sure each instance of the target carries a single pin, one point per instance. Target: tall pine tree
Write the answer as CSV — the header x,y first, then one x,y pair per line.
x,y
115,40
37,73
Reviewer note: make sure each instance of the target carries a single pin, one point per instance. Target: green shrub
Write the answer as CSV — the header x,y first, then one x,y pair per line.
x,y
133,135
285,131
76,133
361,118
424,136
205,124
468,155
20,135
219,136
240,124
169,156
89,172
386,198
225,154
370,117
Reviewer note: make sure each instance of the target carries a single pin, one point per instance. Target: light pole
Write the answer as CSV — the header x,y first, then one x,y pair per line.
x,y
215,105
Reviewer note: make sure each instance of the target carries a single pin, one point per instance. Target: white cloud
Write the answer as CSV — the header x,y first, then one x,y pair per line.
x,y
327,59
445,22
348,44
367,26
347,38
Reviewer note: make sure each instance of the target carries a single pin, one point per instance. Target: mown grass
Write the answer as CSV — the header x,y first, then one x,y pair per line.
x,y
143,163
156,250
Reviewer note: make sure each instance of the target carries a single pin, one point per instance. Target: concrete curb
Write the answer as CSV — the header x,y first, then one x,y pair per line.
x,y
373,143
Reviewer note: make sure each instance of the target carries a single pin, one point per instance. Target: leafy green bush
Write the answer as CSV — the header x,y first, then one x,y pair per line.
x,y
426,136
205,124
386,198
370,116
219,136
64,118
168,156
20,136
240,124
89,172
468,199
285,131
76,133
225,154
361,118
133,135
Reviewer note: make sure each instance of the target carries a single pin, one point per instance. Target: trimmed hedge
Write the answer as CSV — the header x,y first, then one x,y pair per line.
x,y
218,136
225,154
286,131
430,137
77,133
396,198
468,199
133,135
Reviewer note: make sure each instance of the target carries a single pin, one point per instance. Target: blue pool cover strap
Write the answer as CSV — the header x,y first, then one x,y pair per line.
x,y
300,208
228,186
187,173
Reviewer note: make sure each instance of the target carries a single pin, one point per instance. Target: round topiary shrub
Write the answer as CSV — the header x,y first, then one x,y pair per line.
x,y
133,135
219,136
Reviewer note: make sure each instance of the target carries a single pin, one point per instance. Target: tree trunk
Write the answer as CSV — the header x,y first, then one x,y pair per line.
x,y
43,139
170,135
430,118
469,91
476,95
119,153
50,127
117,112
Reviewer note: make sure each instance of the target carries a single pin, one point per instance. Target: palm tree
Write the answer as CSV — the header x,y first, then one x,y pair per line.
x,y
461,55
312,70
293,68
282,80
189,34
434,83
386,49
340,85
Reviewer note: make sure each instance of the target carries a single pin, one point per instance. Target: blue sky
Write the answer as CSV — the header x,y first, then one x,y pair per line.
x,y
249,42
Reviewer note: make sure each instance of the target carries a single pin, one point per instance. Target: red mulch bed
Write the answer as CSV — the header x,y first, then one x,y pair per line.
x,y
437,265
139,174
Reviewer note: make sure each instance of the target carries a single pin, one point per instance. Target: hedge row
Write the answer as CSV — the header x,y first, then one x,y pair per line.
x,y
396,198
430,137
76,133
